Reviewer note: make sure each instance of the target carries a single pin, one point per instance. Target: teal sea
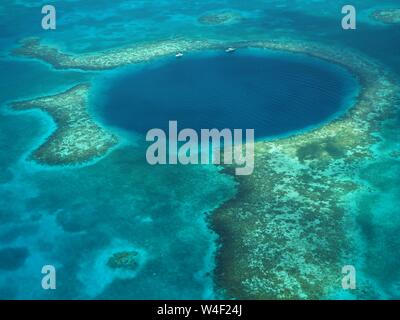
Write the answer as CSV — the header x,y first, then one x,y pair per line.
x,y
75,218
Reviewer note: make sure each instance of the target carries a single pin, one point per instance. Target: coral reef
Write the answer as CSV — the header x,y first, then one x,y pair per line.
x,y
124,260
389,16
110,59
284,234
220,18
77,138
395,154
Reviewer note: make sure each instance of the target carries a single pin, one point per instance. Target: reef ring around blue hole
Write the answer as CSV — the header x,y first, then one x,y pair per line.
x,y
274,93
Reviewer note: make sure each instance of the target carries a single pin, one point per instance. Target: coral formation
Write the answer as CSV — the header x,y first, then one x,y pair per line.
x,y
77,138
219,18
389,16
124,260
110,59
284,234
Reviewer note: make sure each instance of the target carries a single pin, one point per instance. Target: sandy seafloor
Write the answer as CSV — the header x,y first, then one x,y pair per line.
x,y
75,218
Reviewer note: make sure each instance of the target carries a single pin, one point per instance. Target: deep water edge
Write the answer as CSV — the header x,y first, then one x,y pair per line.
x,y
76,218
276,94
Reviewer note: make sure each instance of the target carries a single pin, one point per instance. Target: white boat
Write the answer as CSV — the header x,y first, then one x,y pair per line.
x,y
179,55
229,50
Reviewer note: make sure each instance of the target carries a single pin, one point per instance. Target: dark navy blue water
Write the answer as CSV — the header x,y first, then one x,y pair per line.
x,y
269,93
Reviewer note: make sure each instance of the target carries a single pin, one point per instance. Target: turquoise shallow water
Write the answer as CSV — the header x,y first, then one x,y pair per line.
x,y
120,203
